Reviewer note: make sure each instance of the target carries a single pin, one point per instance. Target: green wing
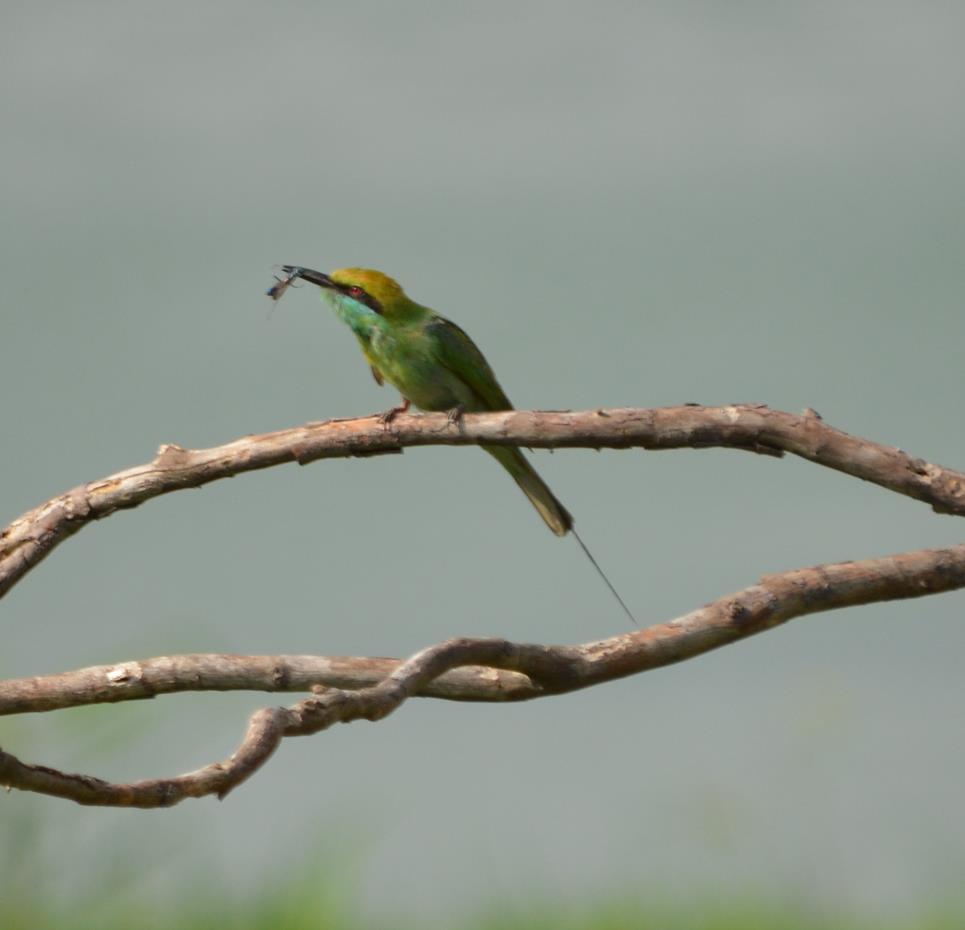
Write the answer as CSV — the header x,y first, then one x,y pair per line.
x,y
460,355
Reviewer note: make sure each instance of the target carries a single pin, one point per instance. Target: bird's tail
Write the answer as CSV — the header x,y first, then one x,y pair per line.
x,y
555,515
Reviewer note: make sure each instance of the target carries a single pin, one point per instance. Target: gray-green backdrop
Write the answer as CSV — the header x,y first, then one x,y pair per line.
x,y
624,204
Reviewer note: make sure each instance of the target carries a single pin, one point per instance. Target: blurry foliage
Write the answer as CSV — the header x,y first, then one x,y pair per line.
x,y
322,898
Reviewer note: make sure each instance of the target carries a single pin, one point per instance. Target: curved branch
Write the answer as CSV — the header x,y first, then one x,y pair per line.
x,y
147,678
539,670
26,541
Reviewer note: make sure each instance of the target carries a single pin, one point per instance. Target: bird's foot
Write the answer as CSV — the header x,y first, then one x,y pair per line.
x,y
389,415
455,415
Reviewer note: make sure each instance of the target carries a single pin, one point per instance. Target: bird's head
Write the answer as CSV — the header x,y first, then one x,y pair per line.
x,y
363,286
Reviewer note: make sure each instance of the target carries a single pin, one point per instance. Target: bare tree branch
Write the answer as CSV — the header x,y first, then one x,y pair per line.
x,y
441,670
146,678
347,689
26,541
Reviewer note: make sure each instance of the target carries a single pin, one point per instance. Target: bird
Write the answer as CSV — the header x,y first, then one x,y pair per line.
x,y
434,364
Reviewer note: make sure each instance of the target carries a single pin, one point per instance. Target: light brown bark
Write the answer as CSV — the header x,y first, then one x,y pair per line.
x,y
346,688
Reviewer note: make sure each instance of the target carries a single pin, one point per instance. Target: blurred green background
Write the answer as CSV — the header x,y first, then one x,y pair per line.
x,y
624,204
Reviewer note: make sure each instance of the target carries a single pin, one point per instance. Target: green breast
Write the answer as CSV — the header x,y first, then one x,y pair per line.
x,y
406,358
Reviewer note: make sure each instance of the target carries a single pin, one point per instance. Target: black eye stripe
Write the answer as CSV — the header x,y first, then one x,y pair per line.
x,y
363,297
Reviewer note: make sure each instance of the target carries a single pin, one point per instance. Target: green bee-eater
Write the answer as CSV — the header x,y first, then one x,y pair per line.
x,y
432,362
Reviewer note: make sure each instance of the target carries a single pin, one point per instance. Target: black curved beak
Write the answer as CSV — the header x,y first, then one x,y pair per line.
x,y
306,274
281,285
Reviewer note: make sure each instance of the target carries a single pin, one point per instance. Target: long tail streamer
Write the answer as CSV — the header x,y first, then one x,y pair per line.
x,y
602,574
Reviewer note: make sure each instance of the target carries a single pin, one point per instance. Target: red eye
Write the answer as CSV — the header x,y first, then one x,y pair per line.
x,y
354,291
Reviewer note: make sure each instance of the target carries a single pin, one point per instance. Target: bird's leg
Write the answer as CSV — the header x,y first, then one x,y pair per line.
x,y
455,415
393,412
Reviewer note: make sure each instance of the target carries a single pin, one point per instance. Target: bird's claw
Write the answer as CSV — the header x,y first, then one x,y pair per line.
x,y
454,416
389,415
